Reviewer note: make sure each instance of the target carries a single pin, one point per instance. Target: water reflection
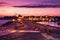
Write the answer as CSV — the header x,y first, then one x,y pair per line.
x,y
50,23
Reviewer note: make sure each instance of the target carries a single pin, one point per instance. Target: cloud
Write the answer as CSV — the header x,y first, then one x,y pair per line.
x,y
52,2
29,2
3,2
39,6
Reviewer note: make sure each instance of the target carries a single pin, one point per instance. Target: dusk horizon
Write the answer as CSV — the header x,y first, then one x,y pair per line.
x,y
29,19
30,7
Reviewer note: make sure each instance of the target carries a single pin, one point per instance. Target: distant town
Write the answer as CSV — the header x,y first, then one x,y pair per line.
x,y
33,18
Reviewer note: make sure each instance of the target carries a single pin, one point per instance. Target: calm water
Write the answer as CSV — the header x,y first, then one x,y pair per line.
x,y
4,21
47,23
50,23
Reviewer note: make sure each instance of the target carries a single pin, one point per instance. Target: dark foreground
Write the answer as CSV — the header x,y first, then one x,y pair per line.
x,y
28,25
23,36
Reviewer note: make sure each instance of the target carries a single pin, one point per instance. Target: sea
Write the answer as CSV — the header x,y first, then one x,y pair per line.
x,y
50,23
46,23
3,22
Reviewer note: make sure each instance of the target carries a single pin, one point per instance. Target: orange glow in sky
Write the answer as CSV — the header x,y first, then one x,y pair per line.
x,y
8,11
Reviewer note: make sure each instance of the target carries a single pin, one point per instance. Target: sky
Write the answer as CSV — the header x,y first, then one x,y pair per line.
x,y
28,2
6,7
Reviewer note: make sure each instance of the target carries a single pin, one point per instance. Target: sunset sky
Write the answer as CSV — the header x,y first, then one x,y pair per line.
x,y
6,7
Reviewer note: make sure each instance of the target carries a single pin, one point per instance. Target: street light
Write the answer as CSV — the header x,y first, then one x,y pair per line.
x,y
13,20
19,19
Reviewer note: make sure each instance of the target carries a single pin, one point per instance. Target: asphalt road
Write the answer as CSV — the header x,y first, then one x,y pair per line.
x,y
23,36
26,25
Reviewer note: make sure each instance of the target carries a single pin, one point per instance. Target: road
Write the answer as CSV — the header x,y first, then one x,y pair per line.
x,y
23,36
25,25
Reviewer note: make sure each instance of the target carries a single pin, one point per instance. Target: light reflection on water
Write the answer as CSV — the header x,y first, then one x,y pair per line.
x,y
3,21
50,23
47,23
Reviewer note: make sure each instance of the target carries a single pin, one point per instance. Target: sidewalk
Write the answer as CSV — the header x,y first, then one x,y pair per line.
x,y
48,37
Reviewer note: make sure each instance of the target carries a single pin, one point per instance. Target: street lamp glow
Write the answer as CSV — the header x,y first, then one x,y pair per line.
x,y
13,20
19,19
13,31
